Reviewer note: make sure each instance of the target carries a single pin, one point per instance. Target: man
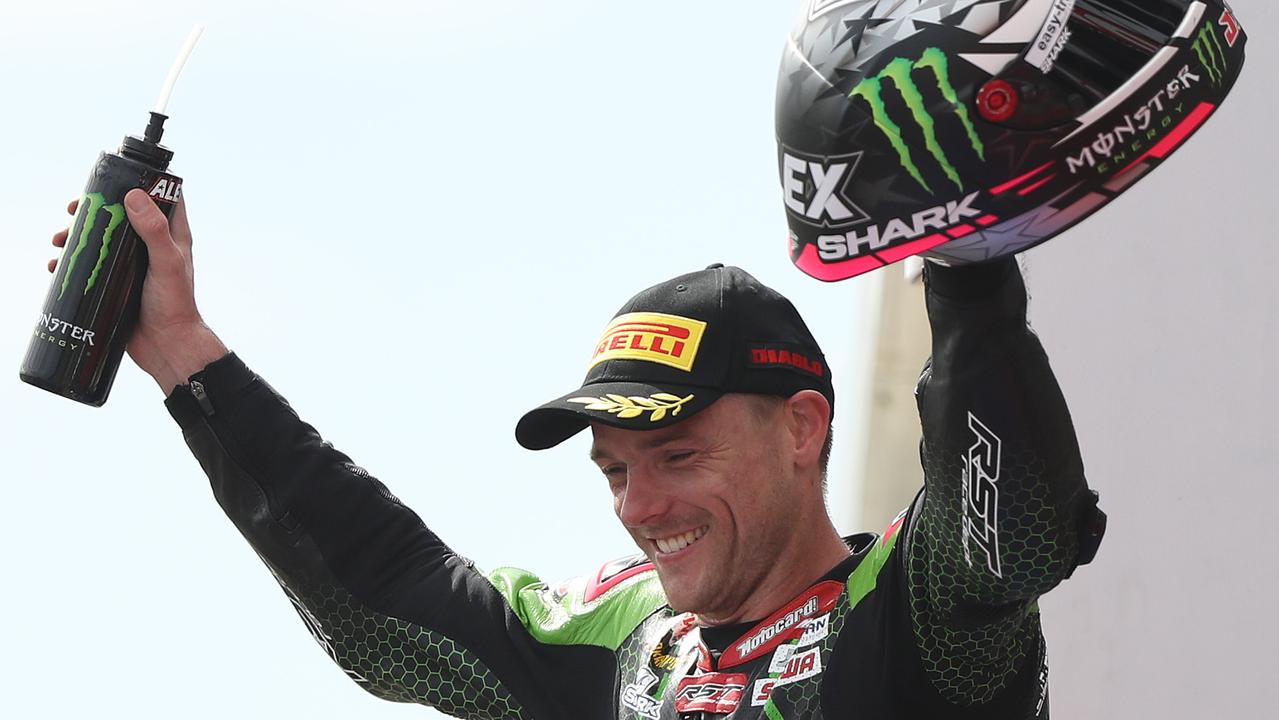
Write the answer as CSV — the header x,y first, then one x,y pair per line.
x,y
710,406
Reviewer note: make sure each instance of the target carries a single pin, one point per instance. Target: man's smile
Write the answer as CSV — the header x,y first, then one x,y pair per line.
x,y
675,543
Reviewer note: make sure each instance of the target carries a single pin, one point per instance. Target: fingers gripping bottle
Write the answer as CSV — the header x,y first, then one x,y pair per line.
x,y
93,302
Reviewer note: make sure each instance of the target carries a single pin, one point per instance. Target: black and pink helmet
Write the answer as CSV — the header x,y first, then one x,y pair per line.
x,y
963,130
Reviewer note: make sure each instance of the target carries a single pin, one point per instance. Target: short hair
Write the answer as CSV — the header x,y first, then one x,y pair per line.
x,y
762,405
825,448
824,458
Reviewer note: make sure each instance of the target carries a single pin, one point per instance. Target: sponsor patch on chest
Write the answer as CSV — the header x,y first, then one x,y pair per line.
x,y
639,695
785,624
716,693
797,665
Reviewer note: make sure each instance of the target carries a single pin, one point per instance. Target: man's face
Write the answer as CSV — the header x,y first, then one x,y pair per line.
x,y
705,499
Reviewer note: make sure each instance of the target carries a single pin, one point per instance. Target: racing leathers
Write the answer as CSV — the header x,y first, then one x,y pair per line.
x,y
935,618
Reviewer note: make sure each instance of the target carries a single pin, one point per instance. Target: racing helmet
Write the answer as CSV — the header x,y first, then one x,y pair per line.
x,y
964,130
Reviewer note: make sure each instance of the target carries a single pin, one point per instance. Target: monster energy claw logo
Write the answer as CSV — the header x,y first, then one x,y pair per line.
x,y
1210,52
899,71
115,212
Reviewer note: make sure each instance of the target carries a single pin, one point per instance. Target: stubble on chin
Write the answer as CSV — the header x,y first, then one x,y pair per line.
x,y
682,594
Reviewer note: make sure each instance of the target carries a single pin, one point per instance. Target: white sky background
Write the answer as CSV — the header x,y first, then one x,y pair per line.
x,y
413,219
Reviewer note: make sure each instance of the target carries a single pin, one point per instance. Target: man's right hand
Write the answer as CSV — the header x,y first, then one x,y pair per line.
x,y
171,341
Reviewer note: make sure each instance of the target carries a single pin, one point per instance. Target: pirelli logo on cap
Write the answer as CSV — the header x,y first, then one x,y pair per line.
x,y
655,337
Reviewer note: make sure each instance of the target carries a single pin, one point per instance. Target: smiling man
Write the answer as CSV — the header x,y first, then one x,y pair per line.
x,y
710,405
735,400
702,501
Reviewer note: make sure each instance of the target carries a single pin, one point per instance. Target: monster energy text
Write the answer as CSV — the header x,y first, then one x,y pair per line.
x,y
115,215
1137,128
899,71
49,328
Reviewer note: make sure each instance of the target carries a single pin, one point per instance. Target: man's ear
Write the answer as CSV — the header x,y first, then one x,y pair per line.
x,y
808,418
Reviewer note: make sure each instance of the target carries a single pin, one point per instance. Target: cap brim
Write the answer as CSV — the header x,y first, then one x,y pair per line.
x,y
627,405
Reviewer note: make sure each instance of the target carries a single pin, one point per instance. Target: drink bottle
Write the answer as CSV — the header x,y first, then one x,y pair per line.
x,y
92,304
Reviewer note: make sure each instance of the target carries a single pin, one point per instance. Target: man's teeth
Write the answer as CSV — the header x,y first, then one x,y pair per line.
x,y
675,543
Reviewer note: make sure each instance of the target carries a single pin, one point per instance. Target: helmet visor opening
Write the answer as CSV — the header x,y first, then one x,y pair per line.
x,y
1103,45
1111,40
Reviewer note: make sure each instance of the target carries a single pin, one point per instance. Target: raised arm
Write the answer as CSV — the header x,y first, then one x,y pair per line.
x,y
405,617
1006,513
396,609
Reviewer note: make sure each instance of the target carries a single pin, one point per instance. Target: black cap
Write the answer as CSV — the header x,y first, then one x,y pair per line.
x,y
677,347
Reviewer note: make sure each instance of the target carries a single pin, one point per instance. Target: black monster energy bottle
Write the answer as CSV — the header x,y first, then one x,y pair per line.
x,y
92,305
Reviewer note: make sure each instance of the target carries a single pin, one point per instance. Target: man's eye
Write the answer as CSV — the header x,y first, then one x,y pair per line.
x,y
680,456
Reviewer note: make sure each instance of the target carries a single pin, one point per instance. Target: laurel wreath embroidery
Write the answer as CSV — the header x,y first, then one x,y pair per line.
x,y
659,404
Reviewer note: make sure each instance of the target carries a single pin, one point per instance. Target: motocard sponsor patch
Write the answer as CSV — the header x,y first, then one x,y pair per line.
x,y
653,337
784,624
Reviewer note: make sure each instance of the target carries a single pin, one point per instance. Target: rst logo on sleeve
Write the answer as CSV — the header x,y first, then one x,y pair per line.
x,y
655,337
813,188
981,505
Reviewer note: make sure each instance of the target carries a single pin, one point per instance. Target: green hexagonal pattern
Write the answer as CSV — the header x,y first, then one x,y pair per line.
x,y
968,657
633,654
399,661
803,699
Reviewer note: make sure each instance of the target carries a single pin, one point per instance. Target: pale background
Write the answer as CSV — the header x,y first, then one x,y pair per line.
x,y
1159,315
414,219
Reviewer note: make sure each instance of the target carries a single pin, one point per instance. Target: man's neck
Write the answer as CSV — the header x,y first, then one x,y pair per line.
x,y
794,569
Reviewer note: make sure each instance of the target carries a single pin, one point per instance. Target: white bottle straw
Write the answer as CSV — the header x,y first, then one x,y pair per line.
x,y
176,70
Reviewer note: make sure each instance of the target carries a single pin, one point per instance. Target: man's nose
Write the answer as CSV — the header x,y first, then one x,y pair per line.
x,y
644,499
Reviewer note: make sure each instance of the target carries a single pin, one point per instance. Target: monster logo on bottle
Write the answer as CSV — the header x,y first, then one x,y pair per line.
x,y
900,71
115,212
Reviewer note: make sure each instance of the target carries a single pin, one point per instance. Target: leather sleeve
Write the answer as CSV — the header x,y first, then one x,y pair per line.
x,y
1006,513
401,613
